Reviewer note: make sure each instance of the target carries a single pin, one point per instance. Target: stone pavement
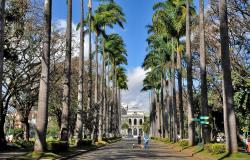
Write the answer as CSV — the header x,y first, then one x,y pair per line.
x,y
123,150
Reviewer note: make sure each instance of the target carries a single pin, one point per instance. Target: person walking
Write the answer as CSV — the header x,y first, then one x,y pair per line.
x,y
146,142
139,139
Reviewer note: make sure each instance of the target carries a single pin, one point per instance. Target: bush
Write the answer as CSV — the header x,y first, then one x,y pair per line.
x,y
216,148
84,142
18,133
183,143
165,140
101,143
24,144
57,146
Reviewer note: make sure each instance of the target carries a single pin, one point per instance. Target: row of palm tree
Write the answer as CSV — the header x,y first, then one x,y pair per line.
x,y
106,103
172,20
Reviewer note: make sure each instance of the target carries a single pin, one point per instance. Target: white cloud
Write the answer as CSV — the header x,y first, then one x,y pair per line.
x,y
134,97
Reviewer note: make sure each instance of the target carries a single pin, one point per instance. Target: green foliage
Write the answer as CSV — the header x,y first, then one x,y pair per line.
x,y
18,133
215,148
183,143
52,132
24,144
146,126
85,142
57,146
125,126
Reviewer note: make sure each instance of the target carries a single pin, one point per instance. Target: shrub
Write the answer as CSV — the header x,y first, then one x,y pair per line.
x,y
24,144
100,143
165,140
84,142
18,133
183,143
57,146
216,148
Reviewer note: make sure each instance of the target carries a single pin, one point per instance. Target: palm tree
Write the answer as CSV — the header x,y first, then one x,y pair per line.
x,y
67,75
172,15
42,117
107,14
191,132
203,75
229,115
2,10
79,120
115,47
90,82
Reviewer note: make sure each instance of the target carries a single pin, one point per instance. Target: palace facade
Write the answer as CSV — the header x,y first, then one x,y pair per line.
x,y
131,121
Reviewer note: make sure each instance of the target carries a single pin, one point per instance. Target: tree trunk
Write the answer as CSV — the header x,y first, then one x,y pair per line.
x,y
2,117
104,100
203,75
96,76
67,75
79,120
42,117
191,132
162,107
229,115
175,129
179,75
26,129
90,82
101,117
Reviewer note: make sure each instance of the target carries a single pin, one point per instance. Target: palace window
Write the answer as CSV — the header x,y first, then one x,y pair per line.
x,y
135,121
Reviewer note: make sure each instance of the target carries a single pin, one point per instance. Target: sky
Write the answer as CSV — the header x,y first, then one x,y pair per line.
x,y
138,15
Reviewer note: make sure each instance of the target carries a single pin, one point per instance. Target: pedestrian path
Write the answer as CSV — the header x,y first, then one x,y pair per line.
x,y
123,150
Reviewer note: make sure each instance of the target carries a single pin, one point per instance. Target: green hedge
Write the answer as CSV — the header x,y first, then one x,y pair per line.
x,y
57,146
183,143
24,144
84,142
215,148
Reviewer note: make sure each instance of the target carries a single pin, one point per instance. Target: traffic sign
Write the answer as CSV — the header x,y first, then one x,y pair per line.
x,y
204,117
196,119
204,122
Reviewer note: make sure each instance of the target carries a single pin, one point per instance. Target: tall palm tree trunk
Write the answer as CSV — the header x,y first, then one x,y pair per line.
x,y
2,117
42,117
67,77
175,129
179,76
203,75
79,120
96,76
98,109
90,82
101,115
162,106
191,132
229,115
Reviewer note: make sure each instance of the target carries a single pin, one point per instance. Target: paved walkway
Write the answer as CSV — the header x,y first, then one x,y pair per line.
x,y
123,150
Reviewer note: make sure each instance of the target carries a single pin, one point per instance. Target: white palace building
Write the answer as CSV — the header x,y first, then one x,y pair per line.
x,y
134,117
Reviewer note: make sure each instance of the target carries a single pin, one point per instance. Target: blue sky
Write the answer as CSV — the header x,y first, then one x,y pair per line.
x,y
138,15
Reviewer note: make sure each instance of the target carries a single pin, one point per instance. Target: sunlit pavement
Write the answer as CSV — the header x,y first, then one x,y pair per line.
x,y
123,150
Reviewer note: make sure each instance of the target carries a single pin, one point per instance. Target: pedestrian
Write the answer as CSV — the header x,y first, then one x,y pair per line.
x,y
139,139
146,142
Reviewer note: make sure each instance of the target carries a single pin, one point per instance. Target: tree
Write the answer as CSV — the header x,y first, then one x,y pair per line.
x,y
228,111
203,75
67,75
2,136
42,117
191,131
79,120
90,82
107,14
